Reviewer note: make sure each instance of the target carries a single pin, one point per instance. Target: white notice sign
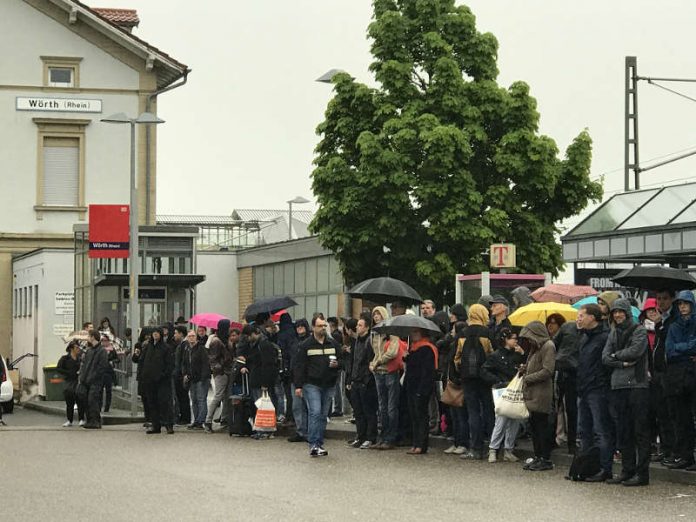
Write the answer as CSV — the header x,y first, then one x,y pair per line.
x,y
65,303
40,103
62,330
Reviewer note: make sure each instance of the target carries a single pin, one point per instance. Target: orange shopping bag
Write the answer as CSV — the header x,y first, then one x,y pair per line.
x,y
265,420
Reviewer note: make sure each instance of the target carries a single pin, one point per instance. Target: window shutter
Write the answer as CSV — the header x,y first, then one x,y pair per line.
x,y
61,172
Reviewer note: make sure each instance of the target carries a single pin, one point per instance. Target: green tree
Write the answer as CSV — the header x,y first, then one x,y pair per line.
x,y
439,161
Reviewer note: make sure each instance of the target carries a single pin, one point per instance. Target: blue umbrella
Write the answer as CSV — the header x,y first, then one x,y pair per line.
x,y
593,300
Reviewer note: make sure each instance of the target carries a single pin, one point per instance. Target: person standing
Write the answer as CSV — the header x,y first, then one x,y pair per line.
x,y
626,353
337,336
537,389
287,342
593,385
91,378
500,308
183,403
69,366
363,389
158,367
681,379
109,374
196,376
387,365
566,341
316,372
421,364
427,308
221,356
143,342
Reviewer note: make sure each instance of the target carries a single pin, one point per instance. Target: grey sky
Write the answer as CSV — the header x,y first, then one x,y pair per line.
x,y
242,131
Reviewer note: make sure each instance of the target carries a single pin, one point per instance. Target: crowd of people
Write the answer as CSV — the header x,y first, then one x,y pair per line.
x,y
603,382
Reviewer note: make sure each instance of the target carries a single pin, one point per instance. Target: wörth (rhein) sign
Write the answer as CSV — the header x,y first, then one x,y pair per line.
x,y
109,231
41,103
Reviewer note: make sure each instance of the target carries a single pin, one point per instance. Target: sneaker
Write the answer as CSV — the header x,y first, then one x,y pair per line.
x,y
366,445
509,456
297,438
460,450
680,464
472,455
492,456
355,443
208,427
349,421
321,452
67,424
529,462
314,452
450,450
541,465
81,423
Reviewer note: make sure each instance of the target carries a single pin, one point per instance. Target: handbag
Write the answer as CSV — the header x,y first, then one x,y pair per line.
x,y
265,419
511,402
453,395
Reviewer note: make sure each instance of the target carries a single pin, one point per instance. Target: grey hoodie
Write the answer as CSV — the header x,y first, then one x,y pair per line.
x,y
633,351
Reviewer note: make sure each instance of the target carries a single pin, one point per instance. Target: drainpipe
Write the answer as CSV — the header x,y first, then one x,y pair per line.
x,y
148,138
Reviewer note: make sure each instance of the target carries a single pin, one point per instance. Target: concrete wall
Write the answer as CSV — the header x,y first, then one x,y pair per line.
x,y
51,271
218,293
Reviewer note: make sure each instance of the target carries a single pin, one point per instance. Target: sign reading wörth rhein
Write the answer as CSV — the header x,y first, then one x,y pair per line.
x,y
41,103
109,231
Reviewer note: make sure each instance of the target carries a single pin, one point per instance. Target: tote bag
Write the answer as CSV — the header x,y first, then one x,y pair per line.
x,y
265,420
511,402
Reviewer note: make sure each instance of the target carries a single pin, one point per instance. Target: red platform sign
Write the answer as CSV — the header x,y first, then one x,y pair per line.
x,y
109,231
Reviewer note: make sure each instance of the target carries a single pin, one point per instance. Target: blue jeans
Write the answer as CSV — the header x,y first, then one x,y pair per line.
x,y
299,413
474,398
318,401
504,433
594,425
388,391
460,422
199,400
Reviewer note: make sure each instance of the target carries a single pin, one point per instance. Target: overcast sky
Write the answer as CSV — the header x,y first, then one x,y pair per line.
x,y
242,131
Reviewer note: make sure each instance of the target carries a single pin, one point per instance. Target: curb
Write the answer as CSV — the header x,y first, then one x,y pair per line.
x,y
107,418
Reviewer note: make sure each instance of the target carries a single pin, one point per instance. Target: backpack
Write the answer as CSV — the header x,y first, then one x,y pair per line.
x,y
585,464
471,356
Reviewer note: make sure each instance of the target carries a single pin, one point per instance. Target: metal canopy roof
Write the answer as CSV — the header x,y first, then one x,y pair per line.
x,y
653,225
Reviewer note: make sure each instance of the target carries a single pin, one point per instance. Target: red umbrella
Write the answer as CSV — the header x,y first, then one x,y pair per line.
x,y
276,316
210,320
560,293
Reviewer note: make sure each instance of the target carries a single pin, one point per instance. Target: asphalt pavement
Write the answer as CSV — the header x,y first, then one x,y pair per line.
x,y
118,473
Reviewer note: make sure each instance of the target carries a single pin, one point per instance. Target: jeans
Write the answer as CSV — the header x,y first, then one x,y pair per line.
x,y
594,426
388,391
299,412
279,403
631,410
419,414
541,434
220,383
460,422
199,400
504,433
474,392
318,401
338,394
365,410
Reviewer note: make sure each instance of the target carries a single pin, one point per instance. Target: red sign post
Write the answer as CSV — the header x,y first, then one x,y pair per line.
x,y
109,231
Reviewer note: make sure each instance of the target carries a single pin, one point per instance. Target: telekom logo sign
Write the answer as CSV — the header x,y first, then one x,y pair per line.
x,y
503,255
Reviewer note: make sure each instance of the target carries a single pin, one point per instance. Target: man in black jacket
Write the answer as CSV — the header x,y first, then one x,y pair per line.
x,y
363,389
261,360
594,421
196,376
183,406
91,378
315,380
566,342
158,367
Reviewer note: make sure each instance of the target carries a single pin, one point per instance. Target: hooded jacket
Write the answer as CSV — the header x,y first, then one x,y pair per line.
x,y
681,337
262,359
94,366
626,351
473,346
385,348
157,361
566,342
220,353
521,296
537,382
592,374
287,342
650,303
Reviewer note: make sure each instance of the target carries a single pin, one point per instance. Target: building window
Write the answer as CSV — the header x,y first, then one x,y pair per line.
x,y
61,165
60,71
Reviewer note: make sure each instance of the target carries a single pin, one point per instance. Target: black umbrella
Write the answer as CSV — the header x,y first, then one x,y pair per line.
x,y
403,324
381,288
656,278
268,305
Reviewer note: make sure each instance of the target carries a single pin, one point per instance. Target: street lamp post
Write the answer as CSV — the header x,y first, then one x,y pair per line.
x,y
298,201
134,312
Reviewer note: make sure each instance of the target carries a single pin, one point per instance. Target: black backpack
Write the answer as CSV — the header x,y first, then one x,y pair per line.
x,y
585,464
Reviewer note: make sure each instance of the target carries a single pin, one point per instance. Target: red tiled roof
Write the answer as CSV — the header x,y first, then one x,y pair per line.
x,y
122,17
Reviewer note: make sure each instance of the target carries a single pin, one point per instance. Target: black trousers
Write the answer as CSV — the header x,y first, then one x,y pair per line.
x,y
567,385
541,434
94,397
365,406
183,404
682,408
631,413
661,416
159,398
418,410
108,385
71,398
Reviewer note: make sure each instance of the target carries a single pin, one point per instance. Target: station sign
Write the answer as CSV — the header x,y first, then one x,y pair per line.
x,y
109,231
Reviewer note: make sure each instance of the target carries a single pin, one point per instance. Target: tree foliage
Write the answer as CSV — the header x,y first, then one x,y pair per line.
x,y
440,161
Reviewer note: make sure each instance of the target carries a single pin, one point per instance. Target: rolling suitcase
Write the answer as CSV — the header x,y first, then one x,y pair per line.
x,y
242,411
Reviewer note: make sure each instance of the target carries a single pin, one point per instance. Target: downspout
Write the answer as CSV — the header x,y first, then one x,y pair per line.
x,y
148,105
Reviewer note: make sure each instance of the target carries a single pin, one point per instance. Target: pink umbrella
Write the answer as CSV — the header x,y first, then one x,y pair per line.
x,y
276,316
209,320
560,293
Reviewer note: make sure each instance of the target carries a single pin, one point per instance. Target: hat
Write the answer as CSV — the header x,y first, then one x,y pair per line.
x,y
500,299
609,297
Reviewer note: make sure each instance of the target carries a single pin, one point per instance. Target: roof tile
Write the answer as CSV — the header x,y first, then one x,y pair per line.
x,y
122,17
